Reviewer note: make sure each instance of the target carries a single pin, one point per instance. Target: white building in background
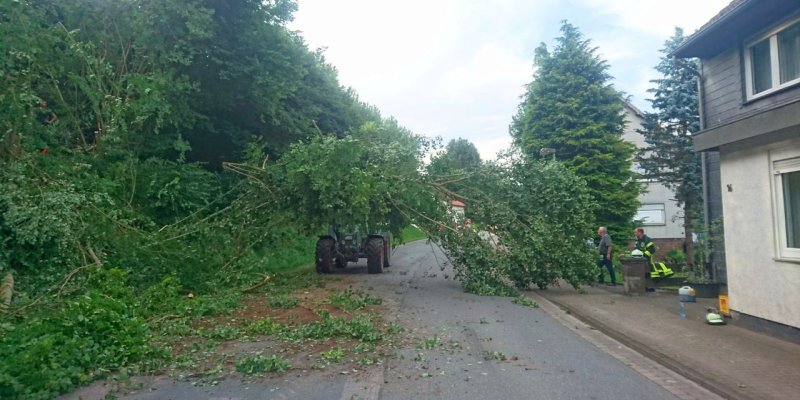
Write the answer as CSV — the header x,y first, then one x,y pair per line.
x,y
661,217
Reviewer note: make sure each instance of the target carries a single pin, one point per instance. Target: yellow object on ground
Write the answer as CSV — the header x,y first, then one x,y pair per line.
x,y
660,270
724,309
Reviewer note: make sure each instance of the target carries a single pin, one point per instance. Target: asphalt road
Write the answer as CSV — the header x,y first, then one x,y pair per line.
x,y
543,358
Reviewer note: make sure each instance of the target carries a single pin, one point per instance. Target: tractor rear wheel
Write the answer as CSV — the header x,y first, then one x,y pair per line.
x,y
325,255
387,250
375,255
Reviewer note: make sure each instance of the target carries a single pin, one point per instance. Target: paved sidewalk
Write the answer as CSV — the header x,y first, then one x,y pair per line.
x,y
732,361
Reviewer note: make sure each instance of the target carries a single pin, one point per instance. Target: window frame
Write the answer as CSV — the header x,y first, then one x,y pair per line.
x,y
779,167
663,210
772,36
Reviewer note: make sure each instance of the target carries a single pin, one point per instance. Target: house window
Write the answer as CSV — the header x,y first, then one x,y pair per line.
x,y
651,214
787,210
772,61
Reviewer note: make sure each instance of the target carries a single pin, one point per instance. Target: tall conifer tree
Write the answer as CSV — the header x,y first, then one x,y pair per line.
x,y
669,156
572,107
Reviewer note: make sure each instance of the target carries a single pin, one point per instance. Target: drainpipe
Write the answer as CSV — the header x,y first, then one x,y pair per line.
x,y
707,256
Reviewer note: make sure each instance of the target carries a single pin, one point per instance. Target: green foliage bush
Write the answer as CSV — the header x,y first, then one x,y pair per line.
x,y
42,220
88,335
130,172
106,326
675,258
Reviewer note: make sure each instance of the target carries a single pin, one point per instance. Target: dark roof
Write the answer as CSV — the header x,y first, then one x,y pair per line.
x,y
729,9
737,21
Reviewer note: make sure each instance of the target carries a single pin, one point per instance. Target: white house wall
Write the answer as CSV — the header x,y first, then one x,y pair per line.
x,y
655,192
658,193
758,285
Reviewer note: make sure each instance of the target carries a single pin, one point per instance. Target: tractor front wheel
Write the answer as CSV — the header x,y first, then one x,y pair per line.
x,y
375,255
325,250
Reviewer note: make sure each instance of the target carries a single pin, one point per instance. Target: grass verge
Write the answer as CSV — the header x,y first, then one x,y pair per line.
x,y
412,233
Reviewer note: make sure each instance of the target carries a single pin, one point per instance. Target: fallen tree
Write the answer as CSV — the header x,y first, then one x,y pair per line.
x,y
539,211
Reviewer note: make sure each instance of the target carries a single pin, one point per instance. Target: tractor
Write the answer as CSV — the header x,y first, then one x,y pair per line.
x,y
338,248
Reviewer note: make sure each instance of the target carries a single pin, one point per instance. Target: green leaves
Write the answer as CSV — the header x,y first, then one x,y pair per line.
x,y
460,154
533,219
350,180
669,156
349,300
572,107
96,331
258,364
152,98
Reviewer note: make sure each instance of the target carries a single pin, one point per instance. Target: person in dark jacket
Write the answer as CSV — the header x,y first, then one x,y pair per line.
x,y
648,248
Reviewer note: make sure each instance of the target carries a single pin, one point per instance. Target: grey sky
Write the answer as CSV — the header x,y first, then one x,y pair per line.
x,y
457,68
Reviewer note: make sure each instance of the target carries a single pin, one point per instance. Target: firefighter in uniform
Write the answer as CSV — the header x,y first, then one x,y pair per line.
x,y
648,248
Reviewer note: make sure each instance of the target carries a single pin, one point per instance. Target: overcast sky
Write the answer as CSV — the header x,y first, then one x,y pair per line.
x,y
457,68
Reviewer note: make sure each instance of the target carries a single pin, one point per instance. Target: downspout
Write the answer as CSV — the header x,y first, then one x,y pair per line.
x,y
704,172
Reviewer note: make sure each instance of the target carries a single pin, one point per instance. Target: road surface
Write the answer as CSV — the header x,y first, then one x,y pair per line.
x,y
543,359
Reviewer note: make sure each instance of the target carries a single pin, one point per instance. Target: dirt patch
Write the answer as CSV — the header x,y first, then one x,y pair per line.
x,y
212,352
256,307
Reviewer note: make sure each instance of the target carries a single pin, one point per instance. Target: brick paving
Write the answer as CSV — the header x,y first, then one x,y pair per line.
x,y
668,379
729,360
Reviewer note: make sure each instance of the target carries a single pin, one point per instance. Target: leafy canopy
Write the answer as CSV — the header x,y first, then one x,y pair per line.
x,y
459,154
532,220
352,180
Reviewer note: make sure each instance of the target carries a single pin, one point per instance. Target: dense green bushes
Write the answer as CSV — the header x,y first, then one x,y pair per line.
x,y
86,336
151,99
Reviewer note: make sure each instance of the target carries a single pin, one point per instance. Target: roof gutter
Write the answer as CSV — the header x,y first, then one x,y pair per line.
x,y
708,27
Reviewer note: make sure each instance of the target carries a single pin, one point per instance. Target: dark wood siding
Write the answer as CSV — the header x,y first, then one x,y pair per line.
x,y
722,88
723,91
